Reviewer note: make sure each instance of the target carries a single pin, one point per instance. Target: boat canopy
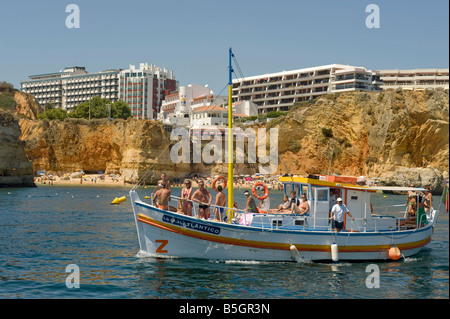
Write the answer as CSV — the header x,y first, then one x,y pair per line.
x,y
397,188
318,182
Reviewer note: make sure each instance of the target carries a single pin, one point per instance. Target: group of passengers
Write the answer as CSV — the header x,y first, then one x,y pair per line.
x,y
162,192
294,205
417,202
203,197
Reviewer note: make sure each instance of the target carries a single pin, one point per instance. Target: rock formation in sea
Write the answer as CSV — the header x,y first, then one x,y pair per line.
x,y
15,168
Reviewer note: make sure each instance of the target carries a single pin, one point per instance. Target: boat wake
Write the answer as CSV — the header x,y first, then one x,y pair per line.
x,y
145,254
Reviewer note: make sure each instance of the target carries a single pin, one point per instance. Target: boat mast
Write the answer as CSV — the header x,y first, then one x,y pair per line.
x,y
230,140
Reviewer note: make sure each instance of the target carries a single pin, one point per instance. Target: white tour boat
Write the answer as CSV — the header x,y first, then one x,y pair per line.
x,y
284,237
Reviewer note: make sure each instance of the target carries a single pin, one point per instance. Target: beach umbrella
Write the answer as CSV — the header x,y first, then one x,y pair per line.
x,y
41,173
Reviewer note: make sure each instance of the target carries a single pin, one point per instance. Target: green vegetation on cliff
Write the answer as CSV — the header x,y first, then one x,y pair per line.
x,y
99,108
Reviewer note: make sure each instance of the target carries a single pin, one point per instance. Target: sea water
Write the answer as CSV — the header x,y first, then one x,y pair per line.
x,y
43,230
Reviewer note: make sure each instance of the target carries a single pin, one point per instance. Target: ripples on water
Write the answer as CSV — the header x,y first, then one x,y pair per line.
x,y
44,229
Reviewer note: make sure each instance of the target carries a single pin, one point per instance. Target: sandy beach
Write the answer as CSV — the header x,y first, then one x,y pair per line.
x,y
107,181
86,180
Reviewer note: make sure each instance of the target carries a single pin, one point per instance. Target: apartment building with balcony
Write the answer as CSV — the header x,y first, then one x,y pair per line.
x,y
279,91
66,89
143,88
81,88
415,79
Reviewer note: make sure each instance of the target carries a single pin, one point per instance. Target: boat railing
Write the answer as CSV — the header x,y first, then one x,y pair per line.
x,y
401,222
236,212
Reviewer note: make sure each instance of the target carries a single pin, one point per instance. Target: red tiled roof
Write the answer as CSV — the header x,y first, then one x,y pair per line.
x,y
209,108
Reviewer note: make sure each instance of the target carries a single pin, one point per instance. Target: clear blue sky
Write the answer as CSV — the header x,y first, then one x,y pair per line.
x,y
192,37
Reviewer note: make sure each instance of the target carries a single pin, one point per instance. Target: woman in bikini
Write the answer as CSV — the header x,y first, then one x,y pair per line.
x,y
186,193
303,208
286,203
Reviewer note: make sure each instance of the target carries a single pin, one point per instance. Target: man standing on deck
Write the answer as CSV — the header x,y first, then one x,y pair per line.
x,y
221,200
337,215
204,199
162,196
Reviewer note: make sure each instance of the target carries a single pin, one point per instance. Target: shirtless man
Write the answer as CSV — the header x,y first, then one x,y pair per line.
x,y
221,200
163,180
162,197
201,196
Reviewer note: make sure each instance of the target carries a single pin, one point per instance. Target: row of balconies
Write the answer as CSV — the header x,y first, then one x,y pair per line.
x,y
41,84
31,91
283,99
47,100
102,90
396,84
283,80
96,78
239,93
415,77
40,96
90,85
87,98
392,81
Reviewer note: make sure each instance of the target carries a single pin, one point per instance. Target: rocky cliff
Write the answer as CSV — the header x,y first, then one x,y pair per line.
x,y
26,105
131,148
401,137
386,135
15,168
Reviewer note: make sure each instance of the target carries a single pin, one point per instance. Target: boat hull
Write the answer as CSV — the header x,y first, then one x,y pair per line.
x,y
168,234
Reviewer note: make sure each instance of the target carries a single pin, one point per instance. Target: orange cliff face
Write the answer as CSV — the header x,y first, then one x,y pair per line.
x,y
119,147
358,133
372,134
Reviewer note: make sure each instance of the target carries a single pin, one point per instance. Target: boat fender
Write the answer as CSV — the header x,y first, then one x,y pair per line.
x,y
119,200
295,253
394,253
334,252
266,191
215,181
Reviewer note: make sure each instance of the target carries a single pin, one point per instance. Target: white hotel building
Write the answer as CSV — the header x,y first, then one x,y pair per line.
x,y
197,106
416,79
279,91
142,88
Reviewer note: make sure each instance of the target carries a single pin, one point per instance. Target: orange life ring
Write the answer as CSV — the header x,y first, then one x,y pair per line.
x,y
219,178
260,211
266,191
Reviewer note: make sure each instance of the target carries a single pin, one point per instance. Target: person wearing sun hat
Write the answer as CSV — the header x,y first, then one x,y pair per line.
x,y
337,215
